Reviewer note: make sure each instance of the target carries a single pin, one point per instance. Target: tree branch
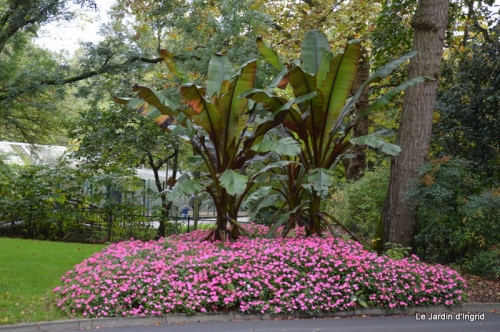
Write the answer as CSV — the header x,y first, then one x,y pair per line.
x,y
97,72
484,31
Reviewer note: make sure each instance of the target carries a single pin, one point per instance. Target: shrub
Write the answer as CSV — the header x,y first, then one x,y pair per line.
x,y
458,217
183,274
359,204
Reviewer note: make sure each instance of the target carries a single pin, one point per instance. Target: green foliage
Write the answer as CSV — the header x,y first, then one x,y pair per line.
x,y
217,124
458,216
483,263
116,139
469,112
32,117
184,228
378,143
28,73
47,199
393,34
396,250
321,82
359,204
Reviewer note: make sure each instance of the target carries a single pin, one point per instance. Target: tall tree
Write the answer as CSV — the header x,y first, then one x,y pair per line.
x,y
18,17
32,80
26,106
429,22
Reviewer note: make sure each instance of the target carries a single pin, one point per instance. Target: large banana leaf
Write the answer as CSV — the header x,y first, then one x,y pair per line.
x,y
257,196
276,164
303,83
203,112
269,101
158,100
146,109
376,77
312,110
296,124
377,142
219,70
269,54
314,47
222,117
279,109
185,186
337,84
321,179
233,109
374,140
268,177
234,182
286,146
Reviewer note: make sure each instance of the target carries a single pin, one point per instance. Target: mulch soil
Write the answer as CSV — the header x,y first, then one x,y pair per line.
x,y
482,290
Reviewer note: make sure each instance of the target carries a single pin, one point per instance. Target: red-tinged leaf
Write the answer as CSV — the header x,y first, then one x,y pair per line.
x,y
337,84
232,107
158,100
204,113
303,83
146,109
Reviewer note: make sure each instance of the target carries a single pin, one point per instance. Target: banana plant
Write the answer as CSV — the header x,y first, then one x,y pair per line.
x,y
319,124
223,134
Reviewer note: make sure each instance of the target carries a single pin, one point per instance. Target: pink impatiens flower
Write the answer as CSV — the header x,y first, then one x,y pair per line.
x,y
183,274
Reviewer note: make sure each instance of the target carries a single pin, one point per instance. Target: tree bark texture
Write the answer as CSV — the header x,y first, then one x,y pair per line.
x,y
399,216
355,166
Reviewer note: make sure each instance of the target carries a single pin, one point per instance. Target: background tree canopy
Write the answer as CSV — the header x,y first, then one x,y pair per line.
x,y
468,126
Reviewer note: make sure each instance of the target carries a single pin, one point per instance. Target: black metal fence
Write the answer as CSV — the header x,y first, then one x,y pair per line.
x,y
86,226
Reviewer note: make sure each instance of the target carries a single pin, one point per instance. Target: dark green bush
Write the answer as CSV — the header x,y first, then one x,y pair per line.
x,y
458,217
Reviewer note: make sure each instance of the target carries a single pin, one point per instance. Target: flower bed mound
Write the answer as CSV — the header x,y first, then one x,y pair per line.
x,y
182,274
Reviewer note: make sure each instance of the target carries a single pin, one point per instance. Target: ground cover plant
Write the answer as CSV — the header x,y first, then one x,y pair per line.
x,y
29,270
182,273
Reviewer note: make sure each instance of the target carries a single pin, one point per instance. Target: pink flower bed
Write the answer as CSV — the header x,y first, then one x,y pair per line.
x,y
182,274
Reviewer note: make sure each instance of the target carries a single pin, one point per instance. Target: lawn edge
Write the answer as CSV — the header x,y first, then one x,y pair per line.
x,y
177,318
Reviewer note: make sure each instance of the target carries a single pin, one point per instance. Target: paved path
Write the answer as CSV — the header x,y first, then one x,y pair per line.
x,y
491,323
465,317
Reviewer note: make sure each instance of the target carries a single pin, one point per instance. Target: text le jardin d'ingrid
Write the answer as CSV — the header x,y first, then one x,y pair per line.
x,y
445,316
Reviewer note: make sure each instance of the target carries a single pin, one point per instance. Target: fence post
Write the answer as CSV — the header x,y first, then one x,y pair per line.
x,y
110,220
165,220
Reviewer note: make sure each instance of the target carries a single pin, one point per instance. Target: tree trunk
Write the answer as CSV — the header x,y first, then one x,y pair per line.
x,y
159,187
399,215
170,182
166,207
355,166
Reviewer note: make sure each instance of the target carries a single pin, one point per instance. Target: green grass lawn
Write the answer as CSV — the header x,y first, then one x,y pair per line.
x,y
29,270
